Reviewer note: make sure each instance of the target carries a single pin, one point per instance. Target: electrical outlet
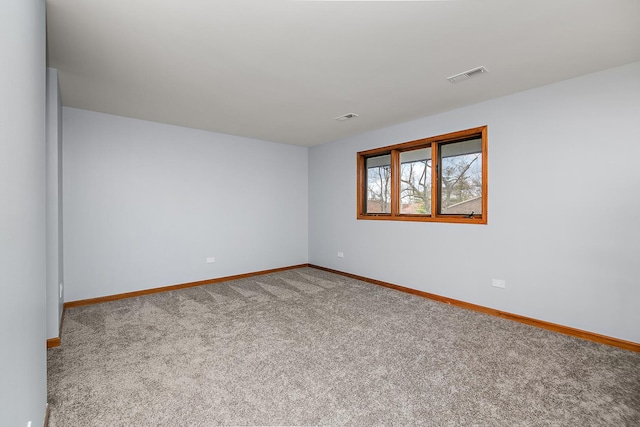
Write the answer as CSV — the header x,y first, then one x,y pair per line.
x,y
340,254
498,283
211,259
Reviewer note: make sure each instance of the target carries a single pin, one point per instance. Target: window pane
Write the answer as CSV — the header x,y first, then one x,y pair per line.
x,y
379,184
415,181
461,178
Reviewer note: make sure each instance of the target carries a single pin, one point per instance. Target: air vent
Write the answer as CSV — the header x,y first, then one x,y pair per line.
x,y
467,74
346,117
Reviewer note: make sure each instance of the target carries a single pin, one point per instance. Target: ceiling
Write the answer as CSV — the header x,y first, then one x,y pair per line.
x,y
282,70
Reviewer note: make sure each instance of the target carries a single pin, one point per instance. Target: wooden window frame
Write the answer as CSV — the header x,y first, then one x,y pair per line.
x,y
435,143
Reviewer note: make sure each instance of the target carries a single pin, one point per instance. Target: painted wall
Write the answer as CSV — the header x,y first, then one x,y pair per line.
x,y
146,203
22,213
55,295
563,199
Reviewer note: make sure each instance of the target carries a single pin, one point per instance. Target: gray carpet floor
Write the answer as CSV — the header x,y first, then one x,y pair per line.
x,y
307,347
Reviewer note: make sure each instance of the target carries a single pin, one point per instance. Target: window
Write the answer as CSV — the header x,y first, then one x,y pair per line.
x,y
442,179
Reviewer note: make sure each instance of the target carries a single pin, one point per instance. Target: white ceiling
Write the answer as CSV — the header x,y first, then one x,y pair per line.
x,y
282,70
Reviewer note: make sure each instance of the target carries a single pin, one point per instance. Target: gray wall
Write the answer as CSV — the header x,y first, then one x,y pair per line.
x,y
563,225
146,203
55,292
22,213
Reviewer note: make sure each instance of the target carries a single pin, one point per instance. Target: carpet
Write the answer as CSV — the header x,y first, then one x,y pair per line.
x,y
308,347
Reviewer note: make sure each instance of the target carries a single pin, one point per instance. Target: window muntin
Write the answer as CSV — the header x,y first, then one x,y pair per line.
x,y
442,179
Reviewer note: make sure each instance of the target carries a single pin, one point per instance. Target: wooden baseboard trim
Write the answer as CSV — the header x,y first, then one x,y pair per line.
x,y
53,342
566,330
134,294
45,422
64,310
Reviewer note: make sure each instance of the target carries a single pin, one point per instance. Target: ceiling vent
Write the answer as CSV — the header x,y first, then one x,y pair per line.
x,y
346,117
467,74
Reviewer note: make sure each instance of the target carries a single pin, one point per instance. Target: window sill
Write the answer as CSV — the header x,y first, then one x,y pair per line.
x,y
421,218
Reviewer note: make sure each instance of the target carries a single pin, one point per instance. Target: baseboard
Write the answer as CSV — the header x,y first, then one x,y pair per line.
x,y
53,342
591,336
45,422
134,294
64,310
